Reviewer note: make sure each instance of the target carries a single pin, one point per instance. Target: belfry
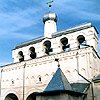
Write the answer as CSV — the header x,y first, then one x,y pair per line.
x,y
62,65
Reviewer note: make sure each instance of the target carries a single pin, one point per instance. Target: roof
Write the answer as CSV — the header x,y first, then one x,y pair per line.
x,y
74,29
80,87
97,78
58,82
33,41
57,34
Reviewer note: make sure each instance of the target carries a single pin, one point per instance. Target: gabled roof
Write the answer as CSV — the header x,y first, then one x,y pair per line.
x,y
58,82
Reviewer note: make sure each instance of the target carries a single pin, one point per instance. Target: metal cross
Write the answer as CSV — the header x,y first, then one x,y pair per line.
x,y
49,3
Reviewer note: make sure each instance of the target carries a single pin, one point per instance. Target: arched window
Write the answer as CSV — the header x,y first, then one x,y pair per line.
x,y
31,97
21,56
47,46
12,81
32,52
65,45
40,79
11,96
81,41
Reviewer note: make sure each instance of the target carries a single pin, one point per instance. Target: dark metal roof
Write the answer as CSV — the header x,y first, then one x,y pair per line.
x,y
80,87
50,16
33,41
71,30
58,82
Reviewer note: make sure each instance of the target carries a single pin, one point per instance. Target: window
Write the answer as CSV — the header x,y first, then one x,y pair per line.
x,y
81,41
32,52
39,79
65,45
12,81
47,47
21,56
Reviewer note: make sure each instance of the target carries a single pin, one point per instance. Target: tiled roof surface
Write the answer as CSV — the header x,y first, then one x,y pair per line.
x,y
80,87
58,82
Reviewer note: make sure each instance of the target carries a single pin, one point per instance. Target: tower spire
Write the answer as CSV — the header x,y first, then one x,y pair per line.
x,y
49,20
49,3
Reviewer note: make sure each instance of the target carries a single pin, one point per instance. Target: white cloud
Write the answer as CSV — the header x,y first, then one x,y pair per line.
x,y
82,9
15,21
23,36
87,15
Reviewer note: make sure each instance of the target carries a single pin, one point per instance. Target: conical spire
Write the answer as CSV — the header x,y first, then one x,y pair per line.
x,y
58,82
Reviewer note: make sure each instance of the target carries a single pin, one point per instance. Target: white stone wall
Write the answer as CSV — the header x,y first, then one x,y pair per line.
x,y
49,28
45,67
89,34
33,75
97,90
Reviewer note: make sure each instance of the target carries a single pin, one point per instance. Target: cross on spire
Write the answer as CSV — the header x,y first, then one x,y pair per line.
x,y
49,3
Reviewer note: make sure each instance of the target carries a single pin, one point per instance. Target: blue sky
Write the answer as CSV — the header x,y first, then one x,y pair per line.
x,y
21,20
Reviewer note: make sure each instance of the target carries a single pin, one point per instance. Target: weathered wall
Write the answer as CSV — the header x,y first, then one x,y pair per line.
x,y
33,75
60,96
28,72
97,90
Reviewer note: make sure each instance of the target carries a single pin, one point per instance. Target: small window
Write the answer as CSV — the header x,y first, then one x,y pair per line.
x,y
21,56
39,79
12,81
47,47
32,52
65,45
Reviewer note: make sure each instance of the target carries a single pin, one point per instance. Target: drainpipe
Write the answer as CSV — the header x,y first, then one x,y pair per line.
x,y
24,79
84,77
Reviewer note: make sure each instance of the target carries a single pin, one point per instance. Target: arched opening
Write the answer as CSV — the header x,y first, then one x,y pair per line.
x,y
40,79
21,56
32,52
65,45
11,96
47,46
81,41
31,97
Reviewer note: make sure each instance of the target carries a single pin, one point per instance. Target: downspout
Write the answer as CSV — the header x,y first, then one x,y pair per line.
x,y
24,79
84,77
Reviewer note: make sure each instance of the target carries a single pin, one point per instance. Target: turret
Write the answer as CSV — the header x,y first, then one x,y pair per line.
x,y
50,27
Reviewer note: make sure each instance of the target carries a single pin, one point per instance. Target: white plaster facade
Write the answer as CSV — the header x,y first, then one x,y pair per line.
x,y
32,75
50,24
